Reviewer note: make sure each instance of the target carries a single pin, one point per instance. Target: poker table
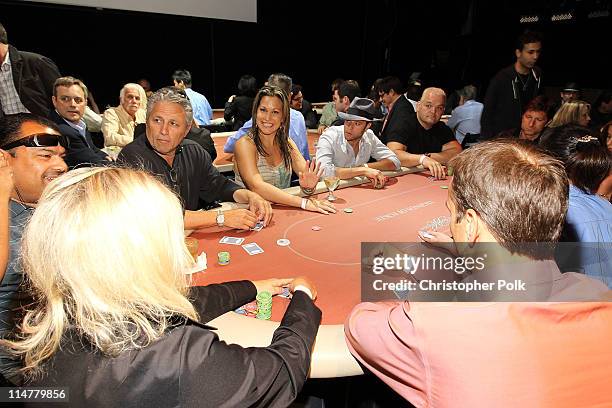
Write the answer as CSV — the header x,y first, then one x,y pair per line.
x,y
330,256
225,161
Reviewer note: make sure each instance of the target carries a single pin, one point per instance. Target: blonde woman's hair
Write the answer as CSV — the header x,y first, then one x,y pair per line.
x,y
569,112
105,254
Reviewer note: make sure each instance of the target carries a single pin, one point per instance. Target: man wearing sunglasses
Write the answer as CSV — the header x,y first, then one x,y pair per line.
x,y
33,149
70,99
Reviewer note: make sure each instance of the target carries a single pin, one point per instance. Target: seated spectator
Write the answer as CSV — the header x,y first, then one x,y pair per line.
x,y
574,112
343,96
297,126
511,353
414,91
146,86
349,147
32,147
328,113
421,138
602,110
569,93
589,216
533,122
400,111
605,135
118,123
70,99
186,167
465,118
202,111
239,107
303,106
128,327
265,159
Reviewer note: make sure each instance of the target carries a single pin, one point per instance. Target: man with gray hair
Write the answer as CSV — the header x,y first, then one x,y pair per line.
x,y
427,141
297,125
26,80
119,122
185,167
465,118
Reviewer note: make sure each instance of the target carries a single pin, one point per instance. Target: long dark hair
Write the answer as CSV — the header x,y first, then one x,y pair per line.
x,y
281,139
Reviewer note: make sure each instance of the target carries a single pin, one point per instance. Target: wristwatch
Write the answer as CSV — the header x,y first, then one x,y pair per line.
x,y
220,218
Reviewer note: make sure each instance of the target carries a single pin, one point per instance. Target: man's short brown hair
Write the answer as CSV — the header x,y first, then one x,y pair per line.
x,y
68,81
519,191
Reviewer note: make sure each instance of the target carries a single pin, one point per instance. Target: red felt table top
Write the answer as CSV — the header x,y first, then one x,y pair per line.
x,y
331,256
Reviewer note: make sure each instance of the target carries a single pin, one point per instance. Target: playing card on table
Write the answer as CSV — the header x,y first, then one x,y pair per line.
x,y
231,240
253,248
258,226
286,293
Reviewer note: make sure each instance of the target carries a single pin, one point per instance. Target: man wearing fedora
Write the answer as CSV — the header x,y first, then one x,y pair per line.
x,y
350,146
427,141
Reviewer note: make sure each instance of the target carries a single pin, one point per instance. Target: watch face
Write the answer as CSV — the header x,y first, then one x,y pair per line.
x,y
220,219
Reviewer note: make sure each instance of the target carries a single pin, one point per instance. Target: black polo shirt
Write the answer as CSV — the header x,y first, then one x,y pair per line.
x,y
419,140
192,175
398,123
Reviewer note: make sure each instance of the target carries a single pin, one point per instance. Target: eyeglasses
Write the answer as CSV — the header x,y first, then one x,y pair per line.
x,y
39,140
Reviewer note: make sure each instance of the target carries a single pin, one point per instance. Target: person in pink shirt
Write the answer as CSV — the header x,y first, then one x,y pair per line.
x,y
496,354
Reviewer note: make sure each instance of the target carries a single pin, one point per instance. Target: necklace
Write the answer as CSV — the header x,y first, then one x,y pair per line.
x,y
524,83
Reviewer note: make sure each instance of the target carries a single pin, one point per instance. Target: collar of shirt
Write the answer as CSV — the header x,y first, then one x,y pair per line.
x,y
79,127
6,64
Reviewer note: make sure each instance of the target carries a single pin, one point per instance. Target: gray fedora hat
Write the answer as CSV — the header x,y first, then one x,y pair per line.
x,y
360,109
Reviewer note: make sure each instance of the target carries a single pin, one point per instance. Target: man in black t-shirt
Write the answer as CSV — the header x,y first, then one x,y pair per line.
x,y
426,141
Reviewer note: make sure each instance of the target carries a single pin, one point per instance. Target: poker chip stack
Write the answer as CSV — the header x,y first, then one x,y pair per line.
x,y
264,305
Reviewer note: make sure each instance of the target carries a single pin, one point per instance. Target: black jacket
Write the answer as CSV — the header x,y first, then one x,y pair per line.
x,y
189,366
33,76
503,104
82,151
240,109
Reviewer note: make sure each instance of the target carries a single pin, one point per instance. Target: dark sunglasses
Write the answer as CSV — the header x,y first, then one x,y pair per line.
x,y
39,140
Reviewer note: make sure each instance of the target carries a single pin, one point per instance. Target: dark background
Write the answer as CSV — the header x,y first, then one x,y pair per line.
x,y
314,42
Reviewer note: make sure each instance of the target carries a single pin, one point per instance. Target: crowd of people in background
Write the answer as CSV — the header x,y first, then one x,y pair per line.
x,y
70,175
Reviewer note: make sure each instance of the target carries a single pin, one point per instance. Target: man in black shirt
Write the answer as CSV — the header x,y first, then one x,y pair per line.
x,y
512,88
187,168
425,140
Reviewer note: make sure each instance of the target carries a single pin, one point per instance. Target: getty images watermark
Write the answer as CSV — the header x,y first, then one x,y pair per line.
x,y
479,272
459,265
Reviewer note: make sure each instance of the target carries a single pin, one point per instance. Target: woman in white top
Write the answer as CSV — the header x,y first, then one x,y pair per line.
x,y
264,160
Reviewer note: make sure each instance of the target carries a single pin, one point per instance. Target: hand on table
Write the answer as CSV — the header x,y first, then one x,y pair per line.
x,y
260,207
303,281
376,177
322,206
436,168
310,177
274,285
439,239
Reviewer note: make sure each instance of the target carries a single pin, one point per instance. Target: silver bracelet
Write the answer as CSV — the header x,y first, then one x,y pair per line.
x,y
304,203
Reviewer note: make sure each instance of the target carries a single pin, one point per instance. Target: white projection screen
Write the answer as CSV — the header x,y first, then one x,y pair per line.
x,y
239,10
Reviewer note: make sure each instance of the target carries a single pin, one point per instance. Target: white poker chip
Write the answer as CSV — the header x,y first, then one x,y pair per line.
x,y
316,228
283,242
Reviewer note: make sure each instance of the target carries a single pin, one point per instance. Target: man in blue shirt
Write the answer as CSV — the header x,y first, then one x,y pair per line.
x,y
33,148
297,126
465,118
202,112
